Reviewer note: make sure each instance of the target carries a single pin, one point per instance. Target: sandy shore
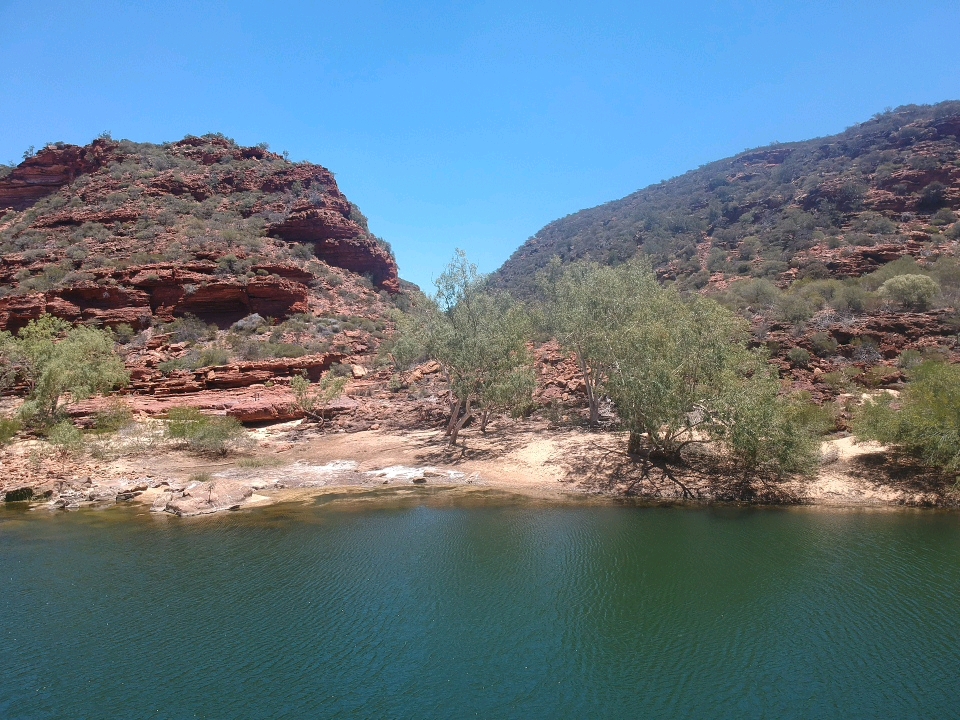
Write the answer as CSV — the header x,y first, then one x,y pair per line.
x,y
290,460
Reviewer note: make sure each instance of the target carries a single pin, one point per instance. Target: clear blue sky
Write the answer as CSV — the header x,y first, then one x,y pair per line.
x,y
470,124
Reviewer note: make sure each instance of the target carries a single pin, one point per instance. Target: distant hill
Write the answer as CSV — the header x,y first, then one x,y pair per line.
x,y
838,206
223,270
121,232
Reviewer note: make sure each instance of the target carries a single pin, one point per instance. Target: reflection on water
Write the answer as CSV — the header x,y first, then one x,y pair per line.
x,y
433,604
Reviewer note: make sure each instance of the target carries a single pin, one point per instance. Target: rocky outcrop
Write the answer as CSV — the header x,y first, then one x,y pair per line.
x,y
298,203
203,497
339,241
50,169
140,295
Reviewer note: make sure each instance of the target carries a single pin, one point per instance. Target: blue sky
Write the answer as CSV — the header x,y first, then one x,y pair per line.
x,y
470,124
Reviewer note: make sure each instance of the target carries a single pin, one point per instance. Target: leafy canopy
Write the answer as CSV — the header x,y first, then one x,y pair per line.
x,y
924,421
59,364
480,339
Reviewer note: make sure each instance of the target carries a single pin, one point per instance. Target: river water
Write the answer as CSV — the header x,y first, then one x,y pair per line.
x,y
432,607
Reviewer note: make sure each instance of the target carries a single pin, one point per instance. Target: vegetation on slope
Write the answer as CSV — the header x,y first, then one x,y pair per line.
x,y
787,211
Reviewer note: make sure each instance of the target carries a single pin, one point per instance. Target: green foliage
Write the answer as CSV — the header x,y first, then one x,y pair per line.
x,y
9,427
66,438
823,344
912,292
798,357
189,329
124,333
480,339
763,430
924,421
905,265
207,357
666,358
759,293
795,309
579,308
312,398
677,369
115,417
206,434
341,370
58,362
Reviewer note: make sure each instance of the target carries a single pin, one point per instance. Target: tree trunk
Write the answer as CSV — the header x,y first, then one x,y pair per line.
x,y
635,443
484,418
458,426
454,414
592,401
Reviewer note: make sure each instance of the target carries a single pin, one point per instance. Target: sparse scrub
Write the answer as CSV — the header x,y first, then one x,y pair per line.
x,y
312,398
9,427
66,438
207,434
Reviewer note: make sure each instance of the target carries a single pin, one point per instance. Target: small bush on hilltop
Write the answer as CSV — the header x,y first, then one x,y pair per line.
x,y
924,421
203,433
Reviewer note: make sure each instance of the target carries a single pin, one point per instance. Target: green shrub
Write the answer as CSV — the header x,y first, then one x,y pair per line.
x,y
879,375
203,433
213,356
779,434
340,370
905,265
794,309
60,364
759,293
124,333
924,421
798,357
840,380
911,292
66,437
189,329
909,359
823,344
9,427
116,417
851,297
287,350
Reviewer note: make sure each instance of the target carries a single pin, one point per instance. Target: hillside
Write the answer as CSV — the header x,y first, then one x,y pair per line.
x,y
837,206
220,267
801,239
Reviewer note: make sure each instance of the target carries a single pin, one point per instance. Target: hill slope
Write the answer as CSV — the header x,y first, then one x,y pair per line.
x,y
836,206
222,268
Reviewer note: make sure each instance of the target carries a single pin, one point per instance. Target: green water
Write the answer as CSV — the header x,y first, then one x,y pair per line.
x,y
429,608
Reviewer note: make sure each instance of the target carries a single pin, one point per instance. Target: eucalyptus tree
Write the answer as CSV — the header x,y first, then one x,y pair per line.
x,y
580,307
479,337
678,369
59,364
